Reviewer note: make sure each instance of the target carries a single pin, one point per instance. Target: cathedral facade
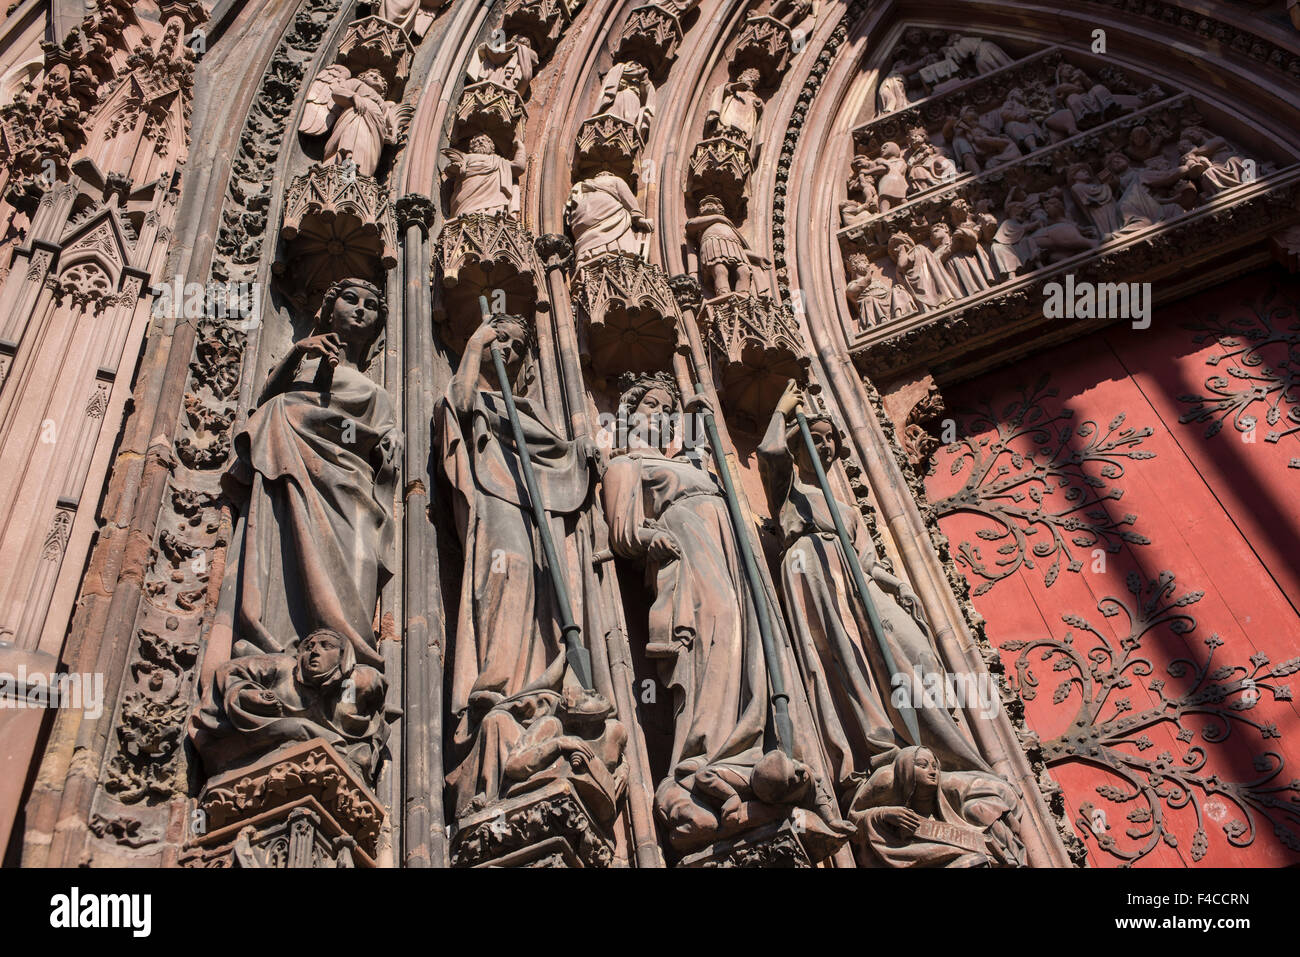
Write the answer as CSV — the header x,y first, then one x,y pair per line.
x,y
602,433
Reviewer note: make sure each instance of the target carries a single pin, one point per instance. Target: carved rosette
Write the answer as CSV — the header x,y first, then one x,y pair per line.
x,y
764,43
336,224
488,108
548,827
477,254
608,142
542,21
650,36
373,43
628,316
302,806
758,348
720,167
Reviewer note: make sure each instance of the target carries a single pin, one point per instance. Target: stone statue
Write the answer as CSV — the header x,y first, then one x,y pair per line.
x,y
316,466
1019,122
892,94
725,256
875,298
258,703
508,668
1059,237
839,656
1087,104
891,188
927,280
975,145
1210,161
359,119
911,813
983,55
792,12
413,16
511,65
735,109
1014,250
605,217
1095,198
1138,207
864,201
483,181
959,250
927,167
669,512
628,94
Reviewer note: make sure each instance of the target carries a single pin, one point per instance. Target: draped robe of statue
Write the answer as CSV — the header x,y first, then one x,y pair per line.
x,y
412,16
971,801
702,622
844,672
736,110
633,104
484,183
508,663
318,468
367,122
511,66
600,215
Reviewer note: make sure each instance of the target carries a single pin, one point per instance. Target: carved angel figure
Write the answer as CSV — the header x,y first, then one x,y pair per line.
x,y
510,65
628,94
355,113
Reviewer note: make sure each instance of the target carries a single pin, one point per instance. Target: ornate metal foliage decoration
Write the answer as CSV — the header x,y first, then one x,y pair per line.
x,y
1050,488
1259,375
1112,732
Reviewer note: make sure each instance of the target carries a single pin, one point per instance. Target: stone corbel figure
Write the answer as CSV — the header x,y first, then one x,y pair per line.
x,y
725,256
483,181
668,512
735,109
628,94
360,121
315,473
508,669
605,217
258,703
510,65
912,813
840,658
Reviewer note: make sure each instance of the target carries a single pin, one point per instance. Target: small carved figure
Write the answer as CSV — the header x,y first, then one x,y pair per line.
x,y
875,298
1019,122
1014,250
604,217
927,280
912,813
864,201
356,114
735,109
628,94
927,167
1095,198
510,65
1086,103
1137,206
891,188
1059,237
983,55
725,256
484,182
1211,162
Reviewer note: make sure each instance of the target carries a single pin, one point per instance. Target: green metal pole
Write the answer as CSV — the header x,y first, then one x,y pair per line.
x,y
851,556
780,698
576,653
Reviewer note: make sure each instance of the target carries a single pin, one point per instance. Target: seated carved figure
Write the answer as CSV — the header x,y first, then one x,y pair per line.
x,y
258,703
911,813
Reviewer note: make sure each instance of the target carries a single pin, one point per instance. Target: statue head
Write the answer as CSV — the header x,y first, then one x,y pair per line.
x,y
825,439
357,312
482,143
325,658
646,410
749,77
916,136
891,150
916,770
939,234
375,80
634,74
860,264
899,242
515,337
712,206
1117,162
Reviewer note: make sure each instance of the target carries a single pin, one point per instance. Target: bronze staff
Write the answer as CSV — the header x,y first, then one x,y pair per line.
x,y
855,566
780,699
574,650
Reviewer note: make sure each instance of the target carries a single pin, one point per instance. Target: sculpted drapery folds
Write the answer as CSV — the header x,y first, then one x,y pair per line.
x,y
356,114
483,182
628,94
314,478
605,217
911,813
668,511
735,109
844,671
508,670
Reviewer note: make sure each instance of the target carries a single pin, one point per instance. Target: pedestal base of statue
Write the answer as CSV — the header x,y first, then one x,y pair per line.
x,y
300,806
548,827
785,843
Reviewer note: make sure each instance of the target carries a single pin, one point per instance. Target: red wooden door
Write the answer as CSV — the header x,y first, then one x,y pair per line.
x,y
1124,509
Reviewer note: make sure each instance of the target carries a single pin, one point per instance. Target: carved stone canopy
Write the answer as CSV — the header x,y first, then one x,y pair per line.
x,y
627,315
542,21
650,36
765,44
373,43
489,108
757,348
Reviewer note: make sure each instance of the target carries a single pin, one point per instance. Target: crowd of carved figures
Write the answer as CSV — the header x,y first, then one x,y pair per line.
x,y
981,167
313,472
